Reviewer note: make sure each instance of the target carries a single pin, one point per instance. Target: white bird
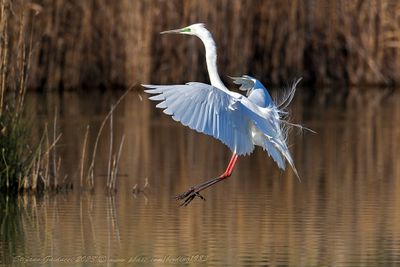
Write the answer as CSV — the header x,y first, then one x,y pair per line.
x,y
240,122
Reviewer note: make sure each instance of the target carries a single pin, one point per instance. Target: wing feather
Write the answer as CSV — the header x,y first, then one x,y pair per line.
x,y
206,109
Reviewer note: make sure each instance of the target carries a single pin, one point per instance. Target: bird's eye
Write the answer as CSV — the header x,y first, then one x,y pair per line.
x,y
186,30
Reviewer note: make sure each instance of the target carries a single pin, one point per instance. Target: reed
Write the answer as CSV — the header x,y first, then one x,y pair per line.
x,y
17,157
101,44
26,164
83,156
113,159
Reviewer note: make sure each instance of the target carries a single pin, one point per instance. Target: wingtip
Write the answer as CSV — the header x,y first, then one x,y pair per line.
x,y
233,77
244,76
248,77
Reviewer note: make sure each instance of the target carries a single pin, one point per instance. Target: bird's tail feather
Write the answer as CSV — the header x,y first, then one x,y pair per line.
x,y
284,150
288,157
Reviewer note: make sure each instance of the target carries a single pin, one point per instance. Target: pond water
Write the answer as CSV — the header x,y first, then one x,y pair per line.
x,y
344,212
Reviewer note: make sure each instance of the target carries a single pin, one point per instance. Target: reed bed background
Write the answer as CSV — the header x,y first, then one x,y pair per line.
x,y
26,162
29,158
57,45
104,44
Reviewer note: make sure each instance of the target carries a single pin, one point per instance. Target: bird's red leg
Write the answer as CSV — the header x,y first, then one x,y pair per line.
x,y
230,167
189,195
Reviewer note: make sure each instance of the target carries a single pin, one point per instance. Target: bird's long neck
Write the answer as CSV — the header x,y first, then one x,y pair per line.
x,y
211,58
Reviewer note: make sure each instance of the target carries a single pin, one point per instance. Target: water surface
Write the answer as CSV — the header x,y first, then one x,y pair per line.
x,y
344,212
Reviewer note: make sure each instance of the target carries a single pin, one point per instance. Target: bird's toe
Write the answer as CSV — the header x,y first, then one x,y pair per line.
x,y
188,196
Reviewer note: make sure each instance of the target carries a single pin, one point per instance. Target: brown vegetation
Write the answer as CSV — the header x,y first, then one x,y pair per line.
x,y
29,162
25,163
107,43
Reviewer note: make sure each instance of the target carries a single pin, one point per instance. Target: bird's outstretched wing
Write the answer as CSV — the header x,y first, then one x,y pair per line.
x,y
208,110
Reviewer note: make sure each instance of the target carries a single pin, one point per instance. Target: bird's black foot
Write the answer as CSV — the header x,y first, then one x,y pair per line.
x,y
188,196
194,191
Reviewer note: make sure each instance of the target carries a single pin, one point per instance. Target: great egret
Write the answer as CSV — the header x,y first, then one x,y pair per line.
x,y
240,122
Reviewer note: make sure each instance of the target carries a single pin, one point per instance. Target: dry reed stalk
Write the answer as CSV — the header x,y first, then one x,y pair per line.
x,y
46,161
83,155
111,184
36,171
21,66
90,176
117,162
3,53
56,185
55,173
109,170
52,145
7,172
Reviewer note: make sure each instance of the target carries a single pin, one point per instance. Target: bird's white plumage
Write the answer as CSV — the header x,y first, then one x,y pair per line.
x,y
238,121
227,116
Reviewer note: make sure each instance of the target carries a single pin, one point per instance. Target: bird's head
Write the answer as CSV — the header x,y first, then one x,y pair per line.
x,y
195,29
